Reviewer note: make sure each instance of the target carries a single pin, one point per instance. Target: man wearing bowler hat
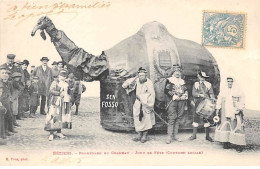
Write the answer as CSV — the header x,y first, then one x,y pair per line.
x,y
45,78
200,91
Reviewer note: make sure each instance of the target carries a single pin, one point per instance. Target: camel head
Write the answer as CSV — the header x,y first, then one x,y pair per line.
x,y
44,23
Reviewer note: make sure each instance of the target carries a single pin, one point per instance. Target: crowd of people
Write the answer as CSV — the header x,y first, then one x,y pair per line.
x,y
228,108
54,89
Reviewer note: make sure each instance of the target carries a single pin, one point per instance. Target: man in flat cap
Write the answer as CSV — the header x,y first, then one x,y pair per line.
x,y
143,108
6,99
44,73
9,65
177,94
201,90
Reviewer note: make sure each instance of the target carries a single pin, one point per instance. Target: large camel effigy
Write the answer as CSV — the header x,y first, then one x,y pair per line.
x,y
153,48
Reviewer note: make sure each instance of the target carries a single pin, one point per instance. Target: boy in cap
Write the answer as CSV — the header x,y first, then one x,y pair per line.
x,y
79,88
17,90
34,96
177,94
6,99
200,91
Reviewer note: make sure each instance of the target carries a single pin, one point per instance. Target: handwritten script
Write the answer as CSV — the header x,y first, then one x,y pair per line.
x,y
28,10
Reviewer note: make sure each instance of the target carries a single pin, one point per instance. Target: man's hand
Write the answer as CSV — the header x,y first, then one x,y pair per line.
x,y
201,95
175,97
183,97
217,112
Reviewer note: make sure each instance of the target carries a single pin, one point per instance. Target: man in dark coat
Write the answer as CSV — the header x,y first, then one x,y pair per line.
x,y
2,119
6,100
45,78
176,94
24,97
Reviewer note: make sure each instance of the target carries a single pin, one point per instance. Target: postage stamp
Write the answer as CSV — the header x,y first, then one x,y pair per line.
x,y
224,29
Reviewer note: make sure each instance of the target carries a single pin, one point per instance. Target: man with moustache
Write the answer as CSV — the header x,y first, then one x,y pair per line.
x,y
45,78
176,94
143,112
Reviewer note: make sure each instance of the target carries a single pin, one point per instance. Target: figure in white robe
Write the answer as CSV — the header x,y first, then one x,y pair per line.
x,y
143,108
230,104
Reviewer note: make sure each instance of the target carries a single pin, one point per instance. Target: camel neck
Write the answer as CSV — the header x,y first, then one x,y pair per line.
x,y
52,31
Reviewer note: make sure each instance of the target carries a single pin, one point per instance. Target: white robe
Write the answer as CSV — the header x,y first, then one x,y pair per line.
x,y
146,94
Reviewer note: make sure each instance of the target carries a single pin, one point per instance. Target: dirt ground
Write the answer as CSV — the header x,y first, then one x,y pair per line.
x,y
88,136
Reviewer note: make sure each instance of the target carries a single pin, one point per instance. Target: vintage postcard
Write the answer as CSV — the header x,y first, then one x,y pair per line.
x,y
129,83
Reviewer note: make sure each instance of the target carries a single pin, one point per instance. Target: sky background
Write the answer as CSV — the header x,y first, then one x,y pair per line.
x,y
97,29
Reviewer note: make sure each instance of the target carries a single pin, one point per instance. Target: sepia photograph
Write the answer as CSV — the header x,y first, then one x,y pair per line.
x,y
129,83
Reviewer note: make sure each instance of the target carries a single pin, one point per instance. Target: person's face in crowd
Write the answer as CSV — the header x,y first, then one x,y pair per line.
x,y
65,67
55,79
44,62
202,79
10,61
62,78
54,66
17,79
4,75
60,65
24,66
142,77
230,82
235,98
177,74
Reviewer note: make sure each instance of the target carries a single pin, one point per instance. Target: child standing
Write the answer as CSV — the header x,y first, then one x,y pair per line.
x,y
34,96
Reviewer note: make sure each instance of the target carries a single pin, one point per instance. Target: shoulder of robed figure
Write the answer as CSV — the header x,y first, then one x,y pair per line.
x,y
149,81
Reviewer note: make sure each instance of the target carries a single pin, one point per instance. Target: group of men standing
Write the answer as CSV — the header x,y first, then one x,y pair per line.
x,y
21,91
176,100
